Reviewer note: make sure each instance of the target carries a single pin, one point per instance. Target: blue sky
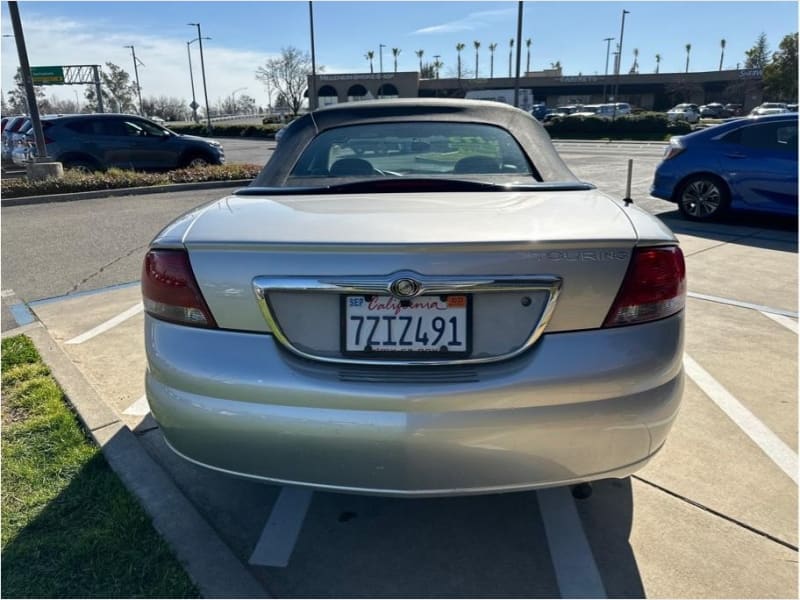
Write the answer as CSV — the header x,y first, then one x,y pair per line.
x,y
245,34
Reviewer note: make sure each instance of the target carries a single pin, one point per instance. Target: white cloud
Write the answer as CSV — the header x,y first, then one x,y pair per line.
x,y
53,41
471,22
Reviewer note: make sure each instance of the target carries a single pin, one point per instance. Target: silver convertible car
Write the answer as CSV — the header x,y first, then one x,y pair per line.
x,y
416,298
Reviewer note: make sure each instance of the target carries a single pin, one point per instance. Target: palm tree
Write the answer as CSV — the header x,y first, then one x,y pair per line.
x,y
419,54
722,43
510,48
396,52
369,56
688,51
459,48
492,48
437,64
477,45
658,61
635,66
528,43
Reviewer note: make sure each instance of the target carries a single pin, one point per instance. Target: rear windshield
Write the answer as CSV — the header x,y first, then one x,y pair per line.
x,y
416,149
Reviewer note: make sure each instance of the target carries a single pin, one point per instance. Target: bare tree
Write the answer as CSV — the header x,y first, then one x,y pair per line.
x,y
492,48
169,109
477,45
288,75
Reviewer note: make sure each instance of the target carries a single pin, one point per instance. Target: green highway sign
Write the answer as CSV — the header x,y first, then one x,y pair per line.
x,y
47,75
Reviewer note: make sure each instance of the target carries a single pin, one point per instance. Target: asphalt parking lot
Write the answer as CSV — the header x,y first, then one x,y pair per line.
x,y
713,515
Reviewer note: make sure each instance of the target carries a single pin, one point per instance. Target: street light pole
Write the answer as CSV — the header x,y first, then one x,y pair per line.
x,y
312,101
203,70
519,54
191,77
608,50
27,79
233,95
136,72
619,63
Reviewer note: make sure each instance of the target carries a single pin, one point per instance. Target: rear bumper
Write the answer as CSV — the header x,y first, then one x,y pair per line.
x,y
576,407
664,183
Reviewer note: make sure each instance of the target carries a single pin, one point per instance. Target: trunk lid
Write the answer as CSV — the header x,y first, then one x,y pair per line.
x,y
269,262
441,218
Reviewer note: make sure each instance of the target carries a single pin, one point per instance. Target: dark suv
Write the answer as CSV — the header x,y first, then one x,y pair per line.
x,y
100,141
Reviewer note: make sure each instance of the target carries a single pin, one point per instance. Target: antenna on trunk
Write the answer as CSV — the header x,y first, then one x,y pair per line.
x,y
627,199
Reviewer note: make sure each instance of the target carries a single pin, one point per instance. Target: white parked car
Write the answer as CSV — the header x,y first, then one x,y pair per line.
x,y
684,112
769,108
602,111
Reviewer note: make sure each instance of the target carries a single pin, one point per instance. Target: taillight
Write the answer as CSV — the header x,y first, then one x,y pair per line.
x,y
675,147
654,287
170,291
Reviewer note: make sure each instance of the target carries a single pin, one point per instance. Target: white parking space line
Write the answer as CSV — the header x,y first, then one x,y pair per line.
x,y
781,454
111,323
790,324
139,408
282,529
573,562
758,307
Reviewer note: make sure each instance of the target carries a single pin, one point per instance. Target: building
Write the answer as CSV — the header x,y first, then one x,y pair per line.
x,y
656,91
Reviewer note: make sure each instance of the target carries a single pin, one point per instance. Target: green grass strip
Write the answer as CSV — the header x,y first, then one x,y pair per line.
x,y
69,526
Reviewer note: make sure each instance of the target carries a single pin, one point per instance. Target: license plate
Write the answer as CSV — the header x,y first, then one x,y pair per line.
x,y
425,324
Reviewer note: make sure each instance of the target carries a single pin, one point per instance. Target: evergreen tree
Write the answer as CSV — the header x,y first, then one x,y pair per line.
x,y
758,55
780,75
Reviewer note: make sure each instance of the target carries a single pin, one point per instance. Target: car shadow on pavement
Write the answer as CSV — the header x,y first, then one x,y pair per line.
x,y
357,546
761,231
607,518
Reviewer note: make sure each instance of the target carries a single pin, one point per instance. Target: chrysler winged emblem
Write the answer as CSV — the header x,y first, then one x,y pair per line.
x,y
405,288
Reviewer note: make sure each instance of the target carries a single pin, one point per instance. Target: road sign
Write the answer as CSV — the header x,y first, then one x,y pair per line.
x,y
47,75
194,105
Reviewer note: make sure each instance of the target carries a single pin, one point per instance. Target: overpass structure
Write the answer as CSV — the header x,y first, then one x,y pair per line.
x,y
651,91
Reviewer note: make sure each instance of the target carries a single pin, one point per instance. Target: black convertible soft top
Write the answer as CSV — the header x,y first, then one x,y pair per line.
x,y
530,134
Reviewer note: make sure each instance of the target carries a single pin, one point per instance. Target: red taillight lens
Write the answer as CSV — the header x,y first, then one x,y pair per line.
x,y
654,287
170,291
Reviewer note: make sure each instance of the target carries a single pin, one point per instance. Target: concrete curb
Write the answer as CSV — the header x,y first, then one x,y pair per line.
x,y
208,561
134,191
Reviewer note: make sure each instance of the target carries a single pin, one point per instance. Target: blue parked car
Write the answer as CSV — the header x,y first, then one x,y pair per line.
x,y
744,164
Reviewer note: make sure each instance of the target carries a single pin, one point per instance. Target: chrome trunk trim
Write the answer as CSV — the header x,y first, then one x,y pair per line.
x,y
262,286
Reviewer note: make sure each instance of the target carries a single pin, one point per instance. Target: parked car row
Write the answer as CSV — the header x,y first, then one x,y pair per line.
x,y
96,142
692,113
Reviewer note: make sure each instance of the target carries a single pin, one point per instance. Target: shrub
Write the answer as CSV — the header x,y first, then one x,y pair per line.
x,y
118,178
642,126
230,130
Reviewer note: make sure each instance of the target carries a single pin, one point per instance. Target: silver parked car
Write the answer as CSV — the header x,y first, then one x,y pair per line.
x,y
416,298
